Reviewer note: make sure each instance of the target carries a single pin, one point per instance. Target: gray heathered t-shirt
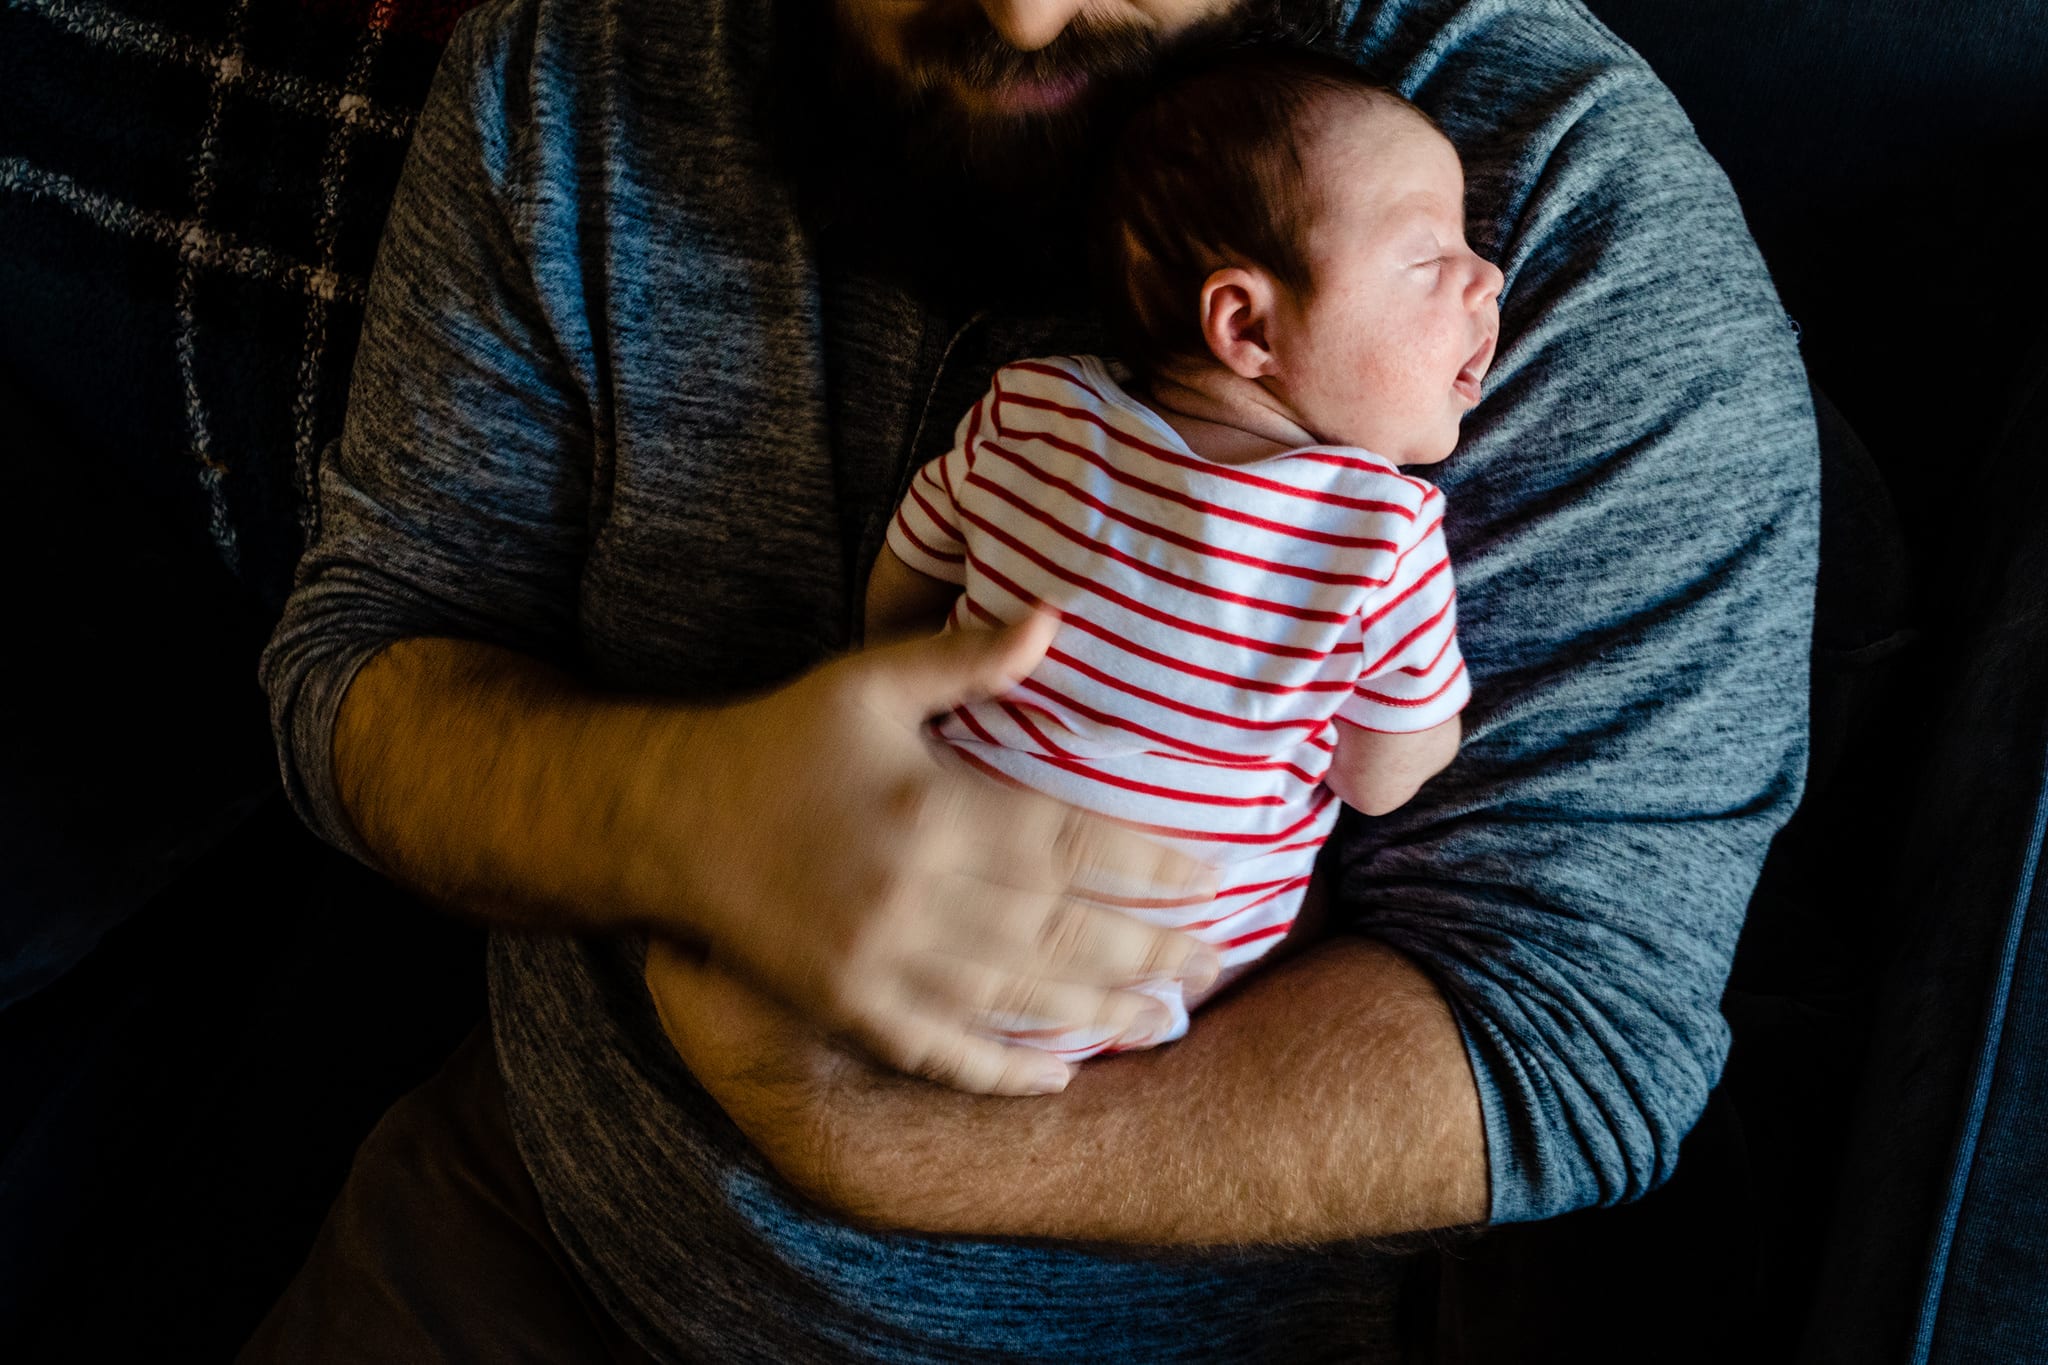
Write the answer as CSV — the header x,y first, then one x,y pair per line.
x,y
610,409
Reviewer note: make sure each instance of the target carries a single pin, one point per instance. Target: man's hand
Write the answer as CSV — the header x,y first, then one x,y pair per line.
x,y
823,847
892,894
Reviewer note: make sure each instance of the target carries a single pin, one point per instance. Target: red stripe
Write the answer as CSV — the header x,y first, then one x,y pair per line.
x,y
1372,465
1191,752
1055,372
1171,704
1171,457
1189,500
1193,585
1427,533
1186,542
950,525
1255,935
1138,608
1411,637
1195,462
1322,799
981,733
1082,623
1456,673
1375,730
1282,883
1366,624
967,449
1016,713
1274,765
1281,889
912,536
1430,667
1153,789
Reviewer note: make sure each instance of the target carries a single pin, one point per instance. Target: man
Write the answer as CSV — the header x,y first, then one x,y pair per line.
x,y
672,299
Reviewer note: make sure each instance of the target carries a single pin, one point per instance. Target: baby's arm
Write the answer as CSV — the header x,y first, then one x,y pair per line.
x,y
903,602
1376,772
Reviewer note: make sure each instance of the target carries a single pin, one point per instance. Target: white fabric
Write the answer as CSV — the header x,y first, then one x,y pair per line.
x,y
1217,622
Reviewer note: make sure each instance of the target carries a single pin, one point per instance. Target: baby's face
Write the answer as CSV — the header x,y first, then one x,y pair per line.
x,y
1388,350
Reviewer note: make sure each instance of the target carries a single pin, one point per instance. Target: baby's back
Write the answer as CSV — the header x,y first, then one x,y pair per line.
x,y
1215,619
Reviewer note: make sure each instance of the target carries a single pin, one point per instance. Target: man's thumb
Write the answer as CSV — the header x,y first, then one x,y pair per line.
x,y
971,665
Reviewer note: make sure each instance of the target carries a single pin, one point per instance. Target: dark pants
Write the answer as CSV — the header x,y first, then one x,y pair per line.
x,y
437,1249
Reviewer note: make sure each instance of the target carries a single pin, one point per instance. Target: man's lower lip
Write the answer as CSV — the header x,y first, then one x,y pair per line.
x,y
1031,96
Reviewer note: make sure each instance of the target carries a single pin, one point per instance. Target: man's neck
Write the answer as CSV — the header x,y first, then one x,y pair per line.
x,y
1223,416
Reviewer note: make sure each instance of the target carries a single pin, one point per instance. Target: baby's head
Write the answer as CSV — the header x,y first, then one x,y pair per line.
x,y
1278,215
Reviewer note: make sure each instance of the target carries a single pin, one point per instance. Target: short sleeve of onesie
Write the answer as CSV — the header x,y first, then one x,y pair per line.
x,y
925,532
1411,675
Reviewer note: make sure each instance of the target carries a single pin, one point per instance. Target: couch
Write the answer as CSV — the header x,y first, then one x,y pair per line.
x,y
202,1009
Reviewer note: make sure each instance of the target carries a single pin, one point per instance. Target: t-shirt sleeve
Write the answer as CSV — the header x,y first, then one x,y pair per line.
x,y
455,501
1636,542
1411,674
926,532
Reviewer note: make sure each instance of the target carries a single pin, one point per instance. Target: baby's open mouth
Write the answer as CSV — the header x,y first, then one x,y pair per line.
x,y
1466,385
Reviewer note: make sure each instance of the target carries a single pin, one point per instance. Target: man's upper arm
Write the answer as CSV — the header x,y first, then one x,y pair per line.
x,y
455,502
1634,521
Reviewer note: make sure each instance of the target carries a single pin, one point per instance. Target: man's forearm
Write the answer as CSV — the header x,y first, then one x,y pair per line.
x,y
490,782
1327,1099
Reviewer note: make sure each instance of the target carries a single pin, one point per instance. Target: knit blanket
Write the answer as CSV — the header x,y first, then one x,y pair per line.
x,y
191,193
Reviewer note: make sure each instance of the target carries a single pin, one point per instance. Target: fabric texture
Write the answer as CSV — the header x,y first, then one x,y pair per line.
x,y
619,404
191,192
1217,622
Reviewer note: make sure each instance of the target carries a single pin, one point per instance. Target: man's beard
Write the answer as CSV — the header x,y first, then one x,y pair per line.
x,y
922,183
1022,156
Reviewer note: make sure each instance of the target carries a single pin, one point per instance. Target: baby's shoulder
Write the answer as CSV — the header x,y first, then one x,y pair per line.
x,y
1349,469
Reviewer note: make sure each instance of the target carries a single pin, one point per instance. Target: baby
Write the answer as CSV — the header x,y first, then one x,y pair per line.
x,y
1257,617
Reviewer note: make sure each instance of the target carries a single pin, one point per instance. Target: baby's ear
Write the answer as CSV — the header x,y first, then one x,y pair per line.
x,y
1237,315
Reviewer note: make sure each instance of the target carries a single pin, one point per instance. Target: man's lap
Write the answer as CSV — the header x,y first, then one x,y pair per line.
x,y
437,1248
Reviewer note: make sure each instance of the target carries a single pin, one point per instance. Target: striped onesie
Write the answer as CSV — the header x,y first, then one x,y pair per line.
x,y
1217,623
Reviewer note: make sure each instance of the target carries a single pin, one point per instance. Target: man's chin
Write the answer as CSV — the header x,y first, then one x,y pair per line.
x,y
1022,157
1015,140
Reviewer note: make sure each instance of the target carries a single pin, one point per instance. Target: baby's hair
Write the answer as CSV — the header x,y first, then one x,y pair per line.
x,y
1208,173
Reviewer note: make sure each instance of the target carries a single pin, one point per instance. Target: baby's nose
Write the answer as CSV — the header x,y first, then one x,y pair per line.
x,y
1028,25
1487,282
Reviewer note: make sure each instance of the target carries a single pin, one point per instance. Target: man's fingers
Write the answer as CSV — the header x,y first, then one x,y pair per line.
x,y
927,677
1033,842
991,1000
980,1066
1058,939
1077,941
